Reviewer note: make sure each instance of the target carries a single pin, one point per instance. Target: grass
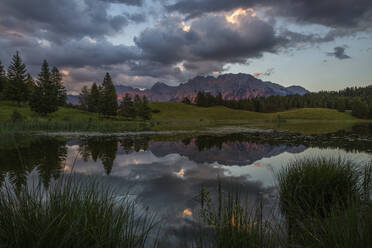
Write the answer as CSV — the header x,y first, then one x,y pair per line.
x,y
176,116
326,202
70,214
232,223
323,199
65,119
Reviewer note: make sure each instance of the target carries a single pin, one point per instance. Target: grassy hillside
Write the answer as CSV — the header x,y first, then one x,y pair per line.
x,y
177,116
179,111
65,119
307,120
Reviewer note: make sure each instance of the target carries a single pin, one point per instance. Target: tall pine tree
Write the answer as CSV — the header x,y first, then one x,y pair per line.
x,y
44,98
2,79
16,89
108,99
84,98
145,110
137,104
56,79
126,107
93,99
30,86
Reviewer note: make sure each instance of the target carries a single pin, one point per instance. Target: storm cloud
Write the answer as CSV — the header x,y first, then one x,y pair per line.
x,y
339,53
327,12
185,38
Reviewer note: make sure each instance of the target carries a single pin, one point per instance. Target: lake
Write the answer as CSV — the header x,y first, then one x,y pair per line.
x,y
166,171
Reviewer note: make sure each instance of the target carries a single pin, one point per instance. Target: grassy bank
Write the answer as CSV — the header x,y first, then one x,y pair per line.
x,y
65,119
70,214
325,202
176,116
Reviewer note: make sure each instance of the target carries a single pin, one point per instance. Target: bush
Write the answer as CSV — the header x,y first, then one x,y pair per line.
x,y
70,214
315,189
349,227
232,223
16,116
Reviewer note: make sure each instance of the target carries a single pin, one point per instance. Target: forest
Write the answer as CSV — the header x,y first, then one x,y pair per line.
x,y
356,99
46,93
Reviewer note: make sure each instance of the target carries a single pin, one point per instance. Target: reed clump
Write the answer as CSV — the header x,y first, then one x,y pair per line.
x,y
326,202
71,214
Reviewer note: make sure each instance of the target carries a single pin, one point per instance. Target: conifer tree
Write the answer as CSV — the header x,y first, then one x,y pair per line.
x,y
30,85
84,98
360,109
137,104
186,100
44,98
126,107
93,99
56,79
108,99
341,105
16,87
145,110
2,78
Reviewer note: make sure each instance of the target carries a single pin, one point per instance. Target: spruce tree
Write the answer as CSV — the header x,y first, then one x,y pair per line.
x,y
137,104
108,99
93,99
126,107
341,104
2,79
16,87
145,110
30,85
56,79
360,109
84,98
44,98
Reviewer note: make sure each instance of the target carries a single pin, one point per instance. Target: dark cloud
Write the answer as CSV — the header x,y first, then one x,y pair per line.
x,y
58,20
339,52
75,34
127,2
332,13
207,43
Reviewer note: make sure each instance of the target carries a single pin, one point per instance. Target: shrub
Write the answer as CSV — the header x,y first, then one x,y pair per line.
x,y
228,221
315,189
70,214
16,116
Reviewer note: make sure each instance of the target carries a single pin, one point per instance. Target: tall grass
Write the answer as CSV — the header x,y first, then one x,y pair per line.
x,y
326,202
230,222
71,214
72,125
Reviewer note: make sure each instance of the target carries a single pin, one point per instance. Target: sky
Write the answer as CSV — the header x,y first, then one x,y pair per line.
x,y
320,45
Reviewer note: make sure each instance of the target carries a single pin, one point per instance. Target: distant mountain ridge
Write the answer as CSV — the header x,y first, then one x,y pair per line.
x,y
231,86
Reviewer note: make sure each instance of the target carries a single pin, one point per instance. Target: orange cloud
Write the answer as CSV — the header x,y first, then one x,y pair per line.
x,y
236,14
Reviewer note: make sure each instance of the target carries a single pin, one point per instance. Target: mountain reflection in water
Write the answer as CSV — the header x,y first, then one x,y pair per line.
x,y
167,174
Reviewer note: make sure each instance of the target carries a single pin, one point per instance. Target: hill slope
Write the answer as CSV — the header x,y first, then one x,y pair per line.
x,y
179,111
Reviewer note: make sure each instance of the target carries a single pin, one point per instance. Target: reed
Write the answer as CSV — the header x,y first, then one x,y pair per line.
x,y
71,214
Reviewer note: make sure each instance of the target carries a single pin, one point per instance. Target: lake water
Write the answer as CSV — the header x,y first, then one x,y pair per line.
x,y
166,171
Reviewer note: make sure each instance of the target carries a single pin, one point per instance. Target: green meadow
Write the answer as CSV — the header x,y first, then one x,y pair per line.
x,y
175,116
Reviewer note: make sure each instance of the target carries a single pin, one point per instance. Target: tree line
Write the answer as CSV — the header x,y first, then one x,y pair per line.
x,y
356,99
102,99
44,95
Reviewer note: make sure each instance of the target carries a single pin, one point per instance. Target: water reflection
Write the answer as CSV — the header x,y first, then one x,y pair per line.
x,y
22,156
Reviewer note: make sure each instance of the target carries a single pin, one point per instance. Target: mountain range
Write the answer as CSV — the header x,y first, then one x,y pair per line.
x,y
231,86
